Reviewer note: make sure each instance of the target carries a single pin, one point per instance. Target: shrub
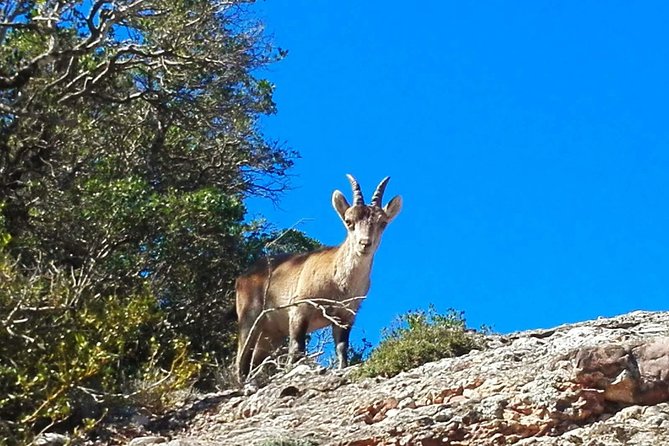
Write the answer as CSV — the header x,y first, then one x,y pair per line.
x,y
68,353
419,337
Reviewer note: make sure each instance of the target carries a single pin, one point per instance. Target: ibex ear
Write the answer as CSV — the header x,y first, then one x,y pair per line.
x,y
339,203
393,207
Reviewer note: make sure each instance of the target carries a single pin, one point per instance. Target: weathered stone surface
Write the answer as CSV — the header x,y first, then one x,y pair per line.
x,y
601,382
147,441
627,373
51,439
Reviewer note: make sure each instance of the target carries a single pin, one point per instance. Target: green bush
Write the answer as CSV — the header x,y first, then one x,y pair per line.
x,y
68,354
74,345
419,337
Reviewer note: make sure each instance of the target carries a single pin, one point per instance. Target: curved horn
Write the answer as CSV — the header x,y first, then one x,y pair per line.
x,y
358,200
377,198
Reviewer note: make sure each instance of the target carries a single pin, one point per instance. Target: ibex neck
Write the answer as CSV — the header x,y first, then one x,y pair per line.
x,y
352,270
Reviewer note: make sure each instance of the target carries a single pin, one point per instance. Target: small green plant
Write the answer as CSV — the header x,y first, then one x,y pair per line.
x,y
418,337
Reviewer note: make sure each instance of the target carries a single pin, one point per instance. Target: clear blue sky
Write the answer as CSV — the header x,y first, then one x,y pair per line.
x,y
529,140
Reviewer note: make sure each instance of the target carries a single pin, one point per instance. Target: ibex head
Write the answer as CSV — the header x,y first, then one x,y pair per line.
x,y
365,223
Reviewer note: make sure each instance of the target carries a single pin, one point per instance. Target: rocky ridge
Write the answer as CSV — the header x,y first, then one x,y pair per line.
x,y
600,382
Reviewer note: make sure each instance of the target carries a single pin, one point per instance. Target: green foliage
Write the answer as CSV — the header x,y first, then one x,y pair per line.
x,y
265,241
65,354
129,140
419,337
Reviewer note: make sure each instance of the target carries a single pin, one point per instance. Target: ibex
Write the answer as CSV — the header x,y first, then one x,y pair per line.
x,y
330,282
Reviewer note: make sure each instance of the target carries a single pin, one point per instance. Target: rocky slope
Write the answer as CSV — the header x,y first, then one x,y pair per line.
x,y
601,382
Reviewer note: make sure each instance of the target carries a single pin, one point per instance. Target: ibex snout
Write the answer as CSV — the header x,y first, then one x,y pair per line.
x,y
365,245
365,242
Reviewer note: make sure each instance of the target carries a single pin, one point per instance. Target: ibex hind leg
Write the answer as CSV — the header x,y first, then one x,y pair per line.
x,y
298,336
265,347
246,343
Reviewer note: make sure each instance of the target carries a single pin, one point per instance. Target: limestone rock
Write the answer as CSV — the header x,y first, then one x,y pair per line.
x,y
636,373
51,439
147,441
601,382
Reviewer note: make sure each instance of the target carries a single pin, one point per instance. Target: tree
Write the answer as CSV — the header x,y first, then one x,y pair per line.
x,y
129,139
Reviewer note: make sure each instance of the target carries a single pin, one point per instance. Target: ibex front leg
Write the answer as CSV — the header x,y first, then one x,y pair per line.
x,y
340,335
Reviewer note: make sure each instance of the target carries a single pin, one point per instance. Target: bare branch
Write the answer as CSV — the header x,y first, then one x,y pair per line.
x,y
321,304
